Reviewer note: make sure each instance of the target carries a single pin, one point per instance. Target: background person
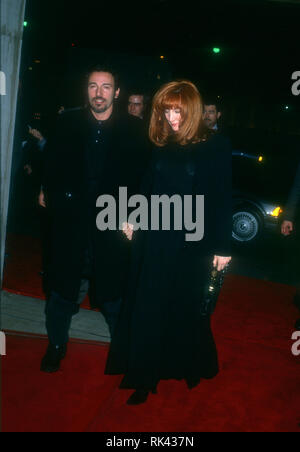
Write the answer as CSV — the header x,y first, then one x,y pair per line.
x,y
137,105
212,114
288,224
26,176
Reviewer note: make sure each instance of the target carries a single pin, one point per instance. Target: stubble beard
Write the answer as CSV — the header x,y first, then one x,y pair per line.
x,y
99,109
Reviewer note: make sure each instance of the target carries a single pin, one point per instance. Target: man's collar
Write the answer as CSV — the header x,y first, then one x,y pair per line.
x,y
96,121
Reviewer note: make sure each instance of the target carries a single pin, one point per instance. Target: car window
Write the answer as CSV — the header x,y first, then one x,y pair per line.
x,y
273,177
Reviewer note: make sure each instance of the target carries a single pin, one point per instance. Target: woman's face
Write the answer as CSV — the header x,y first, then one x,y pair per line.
x,y
173,116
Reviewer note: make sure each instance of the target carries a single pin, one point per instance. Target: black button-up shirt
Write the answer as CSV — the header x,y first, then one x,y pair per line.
x,y
97,146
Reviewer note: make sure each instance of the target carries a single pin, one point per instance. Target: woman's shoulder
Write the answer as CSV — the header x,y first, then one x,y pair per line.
x,y
215,151
216,143
168,150
219,141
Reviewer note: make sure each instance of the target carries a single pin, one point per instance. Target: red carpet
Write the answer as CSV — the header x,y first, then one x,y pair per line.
x,y
257,389
23,265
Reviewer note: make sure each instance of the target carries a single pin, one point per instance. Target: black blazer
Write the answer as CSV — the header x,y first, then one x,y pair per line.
x,y
66,187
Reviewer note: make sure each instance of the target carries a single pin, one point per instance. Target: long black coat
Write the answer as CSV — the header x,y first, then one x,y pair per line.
x,y
161,333
66,184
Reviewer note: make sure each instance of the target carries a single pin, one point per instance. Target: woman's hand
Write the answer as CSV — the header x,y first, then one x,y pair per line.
x,y
221,262
128,230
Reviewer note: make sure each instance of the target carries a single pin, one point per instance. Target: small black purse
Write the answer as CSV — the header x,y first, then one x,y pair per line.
x,y
212,290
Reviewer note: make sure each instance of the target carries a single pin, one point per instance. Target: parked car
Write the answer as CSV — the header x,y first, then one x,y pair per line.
x,y
257,202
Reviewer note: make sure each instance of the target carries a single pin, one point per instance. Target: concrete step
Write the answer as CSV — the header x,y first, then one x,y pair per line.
x,y
24,314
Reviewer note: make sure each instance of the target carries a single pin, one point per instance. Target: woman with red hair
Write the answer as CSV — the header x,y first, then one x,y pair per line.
x,y
162,333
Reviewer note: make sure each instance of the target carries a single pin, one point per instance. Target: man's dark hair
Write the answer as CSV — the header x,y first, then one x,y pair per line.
x,y
213,101
104,67
138,92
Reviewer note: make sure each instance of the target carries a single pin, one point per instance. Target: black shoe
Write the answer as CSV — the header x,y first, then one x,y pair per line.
x,y
138,397
51,361
297,325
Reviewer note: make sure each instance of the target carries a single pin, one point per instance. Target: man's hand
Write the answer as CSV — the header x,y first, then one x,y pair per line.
x,y
128,230
221,262
36,134
28,169
287,227
41,199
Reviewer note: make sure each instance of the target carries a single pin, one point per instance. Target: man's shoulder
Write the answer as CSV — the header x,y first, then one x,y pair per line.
x,y
72,115
220,140
129,121
131,127
71,118
70,122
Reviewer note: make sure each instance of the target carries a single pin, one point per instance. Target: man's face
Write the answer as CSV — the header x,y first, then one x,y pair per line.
x,y
101,93
211,116
136,105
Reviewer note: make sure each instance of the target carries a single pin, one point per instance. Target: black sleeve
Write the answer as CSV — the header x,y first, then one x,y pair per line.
x,y
136,156
293,199
223,208
28,152
146,182
51,155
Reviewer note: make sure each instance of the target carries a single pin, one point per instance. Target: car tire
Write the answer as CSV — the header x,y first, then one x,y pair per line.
x,y
247,226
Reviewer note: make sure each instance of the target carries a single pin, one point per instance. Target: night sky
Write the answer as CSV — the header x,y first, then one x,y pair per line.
x,y
259,45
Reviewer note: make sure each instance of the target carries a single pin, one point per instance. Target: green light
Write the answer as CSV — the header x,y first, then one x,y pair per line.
x,y
25,23
216,50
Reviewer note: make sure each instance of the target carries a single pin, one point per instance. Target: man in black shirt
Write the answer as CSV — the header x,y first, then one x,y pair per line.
x,y
287,226
93,152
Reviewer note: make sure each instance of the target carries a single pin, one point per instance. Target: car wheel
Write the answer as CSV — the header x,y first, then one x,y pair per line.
x,y
247,226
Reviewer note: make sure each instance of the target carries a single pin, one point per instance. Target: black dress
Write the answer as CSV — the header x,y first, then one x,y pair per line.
x,y
161,334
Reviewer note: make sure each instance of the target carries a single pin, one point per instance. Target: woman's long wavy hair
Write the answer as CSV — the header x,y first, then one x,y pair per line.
x,y
182,95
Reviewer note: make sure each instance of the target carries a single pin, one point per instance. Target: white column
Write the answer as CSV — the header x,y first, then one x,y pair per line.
x,y
11,21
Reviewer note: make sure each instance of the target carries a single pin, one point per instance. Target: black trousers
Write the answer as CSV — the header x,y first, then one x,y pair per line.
x,y
59,311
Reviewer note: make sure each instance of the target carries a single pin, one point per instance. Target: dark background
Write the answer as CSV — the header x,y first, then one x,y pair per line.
x,y
259,42
252,74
